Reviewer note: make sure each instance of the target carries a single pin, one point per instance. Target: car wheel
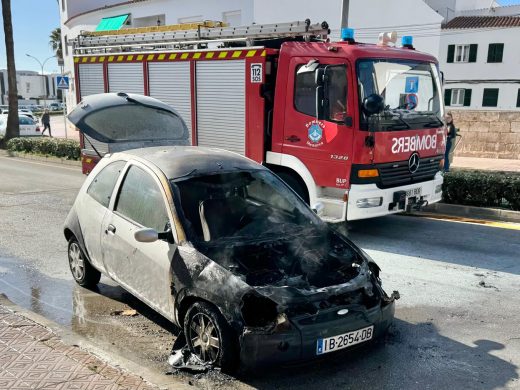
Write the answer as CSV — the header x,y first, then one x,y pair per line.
x,y
82,271
210,337
292,182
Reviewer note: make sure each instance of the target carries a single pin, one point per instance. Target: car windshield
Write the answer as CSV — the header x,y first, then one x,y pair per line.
x,y
410,90
250,205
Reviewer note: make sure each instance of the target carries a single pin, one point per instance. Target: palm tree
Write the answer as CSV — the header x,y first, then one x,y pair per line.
x,y
13,129
55,42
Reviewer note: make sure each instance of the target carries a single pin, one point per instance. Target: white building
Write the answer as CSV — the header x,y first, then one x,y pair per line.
x,y
479,56
31,86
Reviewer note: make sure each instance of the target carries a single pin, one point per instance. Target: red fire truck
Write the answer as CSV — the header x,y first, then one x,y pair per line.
x,y
355,129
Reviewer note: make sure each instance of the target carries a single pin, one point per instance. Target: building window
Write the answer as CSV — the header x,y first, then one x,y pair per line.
x,y
495,52
457,97
490,97
462,53
518,98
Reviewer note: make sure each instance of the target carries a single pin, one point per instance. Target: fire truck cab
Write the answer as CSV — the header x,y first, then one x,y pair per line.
x,y
355,129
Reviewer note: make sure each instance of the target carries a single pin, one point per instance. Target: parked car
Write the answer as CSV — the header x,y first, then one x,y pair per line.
x,y
216,243
27,126
54,107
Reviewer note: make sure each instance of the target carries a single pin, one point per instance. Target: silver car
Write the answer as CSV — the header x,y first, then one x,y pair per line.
x,y
217,244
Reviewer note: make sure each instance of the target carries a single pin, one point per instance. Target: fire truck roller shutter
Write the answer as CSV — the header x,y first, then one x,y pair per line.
x,y
126,78
221,104
170,83
91,79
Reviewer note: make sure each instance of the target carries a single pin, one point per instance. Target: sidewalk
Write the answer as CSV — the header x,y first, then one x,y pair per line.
x,y
487,164
34,357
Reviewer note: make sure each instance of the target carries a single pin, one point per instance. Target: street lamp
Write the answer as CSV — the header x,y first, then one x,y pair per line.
x,y
43,80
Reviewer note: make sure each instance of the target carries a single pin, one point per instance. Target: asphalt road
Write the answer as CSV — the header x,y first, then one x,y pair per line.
x,y
456,322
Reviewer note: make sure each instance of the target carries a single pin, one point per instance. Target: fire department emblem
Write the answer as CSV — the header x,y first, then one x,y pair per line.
x,y
315,133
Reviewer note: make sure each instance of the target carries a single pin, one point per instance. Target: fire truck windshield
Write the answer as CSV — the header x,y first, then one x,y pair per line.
x,y
411,93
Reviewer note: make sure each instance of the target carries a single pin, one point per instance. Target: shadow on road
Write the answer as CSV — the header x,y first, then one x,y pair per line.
x,y
451,242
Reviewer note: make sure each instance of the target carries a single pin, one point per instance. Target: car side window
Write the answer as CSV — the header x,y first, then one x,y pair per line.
x,y
103,184
141,200
24,121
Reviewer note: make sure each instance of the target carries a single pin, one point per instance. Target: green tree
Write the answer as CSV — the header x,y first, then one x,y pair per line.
x,y
13,128
55,42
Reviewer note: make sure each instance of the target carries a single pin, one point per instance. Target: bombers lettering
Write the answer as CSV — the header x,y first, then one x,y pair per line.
x,y
414,143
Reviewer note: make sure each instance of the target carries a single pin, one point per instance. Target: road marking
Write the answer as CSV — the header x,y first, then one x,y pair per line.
x,y
472,221
40,163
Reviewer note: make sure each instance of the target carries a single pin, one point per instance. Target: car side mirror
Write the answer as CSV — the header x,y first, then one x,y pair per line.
x,y
146,235
373,104
318,208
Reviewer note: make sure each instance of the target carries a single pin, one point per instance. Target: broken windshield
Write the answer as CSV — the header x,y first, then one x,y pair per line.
x,y
410,90
240,205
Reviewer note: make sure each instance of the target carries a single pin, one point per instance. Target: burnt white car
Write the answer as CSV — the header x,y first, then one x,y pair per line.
x,y
218,244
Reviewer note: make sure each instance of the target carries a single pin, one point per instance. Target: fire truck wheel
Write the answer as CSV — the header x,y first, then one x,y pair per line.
x,y
296,185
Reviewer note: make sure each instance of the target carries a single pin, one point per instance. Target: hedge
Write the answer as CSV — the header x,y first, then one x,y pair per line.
x,y
482,189
47,146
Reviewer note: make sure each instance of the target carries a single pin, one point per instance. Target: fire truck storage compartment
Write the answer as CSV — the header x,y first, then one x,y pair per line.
x,y
170,83
126,77
91,79
221,104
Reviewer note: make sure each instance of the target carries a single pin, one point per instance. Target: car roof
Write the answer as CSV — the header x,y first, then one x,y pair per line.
x,y
181,161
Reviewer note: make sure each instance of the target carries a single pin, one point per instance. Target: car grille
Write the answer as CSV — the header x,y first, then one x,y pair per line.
x,y
397,174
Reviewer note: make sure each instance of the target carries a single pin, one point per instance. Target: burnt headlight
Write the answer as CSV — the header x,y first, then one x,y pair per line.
x,y
258,311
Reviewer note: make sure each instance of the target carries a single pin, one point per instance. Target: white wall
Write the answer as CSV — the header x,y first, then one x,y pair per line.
x,y
459,75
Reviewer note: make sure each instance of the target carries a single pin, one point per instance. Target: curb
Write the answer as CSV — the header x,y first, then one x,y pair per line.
x,y
490,214
53,160
157,379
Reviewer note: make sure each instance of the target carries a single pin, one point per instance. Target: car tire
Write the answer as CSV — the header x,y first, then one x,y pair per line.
x,y
295,184
82,271
218,345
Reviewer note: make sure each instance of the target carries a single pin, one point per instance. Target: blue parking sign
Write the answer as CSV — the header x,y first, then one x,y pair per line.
x,y
62,82
412,84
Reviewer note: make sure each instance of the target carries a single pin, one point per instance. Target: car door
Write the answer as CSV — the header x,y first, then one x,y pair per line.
x,y
141,268
92,206
323,143
25,126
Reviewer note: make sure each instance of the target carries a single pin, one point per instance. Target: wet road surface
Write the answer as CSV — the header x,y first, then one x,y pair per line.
x,y
456,323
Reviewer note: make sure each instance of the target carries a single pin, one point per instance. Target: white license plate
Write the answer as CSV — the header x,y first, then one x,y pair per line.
x,y
344,340
413,192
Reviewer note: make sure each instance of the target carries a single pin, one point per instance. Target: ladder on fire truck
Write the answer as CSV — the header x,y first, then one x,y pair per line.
x,y
196,38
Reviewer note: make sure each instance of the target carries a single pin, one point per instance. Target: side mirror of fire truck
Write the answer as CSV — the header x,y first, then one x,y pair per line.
x,y
373,104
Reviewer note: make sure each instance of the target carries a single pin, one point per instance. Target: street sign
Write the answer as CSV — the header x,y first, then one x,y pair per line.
x,y
62,82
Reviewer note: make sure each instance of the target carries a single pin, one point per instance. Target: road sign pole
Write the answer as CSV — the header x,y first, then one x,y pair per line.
x,y
64,116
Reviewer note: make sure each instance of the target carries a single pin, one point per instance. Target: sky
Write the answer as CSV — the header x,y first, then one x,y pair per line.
x,y
33,21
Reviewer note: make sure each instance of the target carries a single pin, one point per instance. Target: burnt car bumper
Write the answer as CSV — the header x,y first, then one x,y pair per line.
x,y
300,342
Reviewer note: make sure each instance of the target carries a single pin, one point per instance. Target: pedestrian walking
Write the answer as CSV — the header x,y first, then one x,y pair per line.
x,y
452,133
46,122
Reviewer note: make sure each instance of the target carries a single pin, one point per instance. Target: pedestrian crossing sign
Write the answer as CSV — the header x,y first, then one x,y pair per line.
x,y
62,82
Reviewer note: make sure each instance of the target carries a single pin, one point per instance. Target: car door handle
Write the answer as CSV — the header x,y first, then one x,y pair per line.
x,y
110,229
293,138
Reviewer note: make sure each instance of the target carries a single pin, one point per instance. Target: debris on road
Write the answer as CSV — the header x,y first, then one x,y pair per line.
x,y
183,359
126,313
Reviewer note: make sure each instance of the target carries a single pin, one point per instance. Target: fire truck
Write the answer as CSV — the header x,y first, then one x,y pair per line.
x,y
355,129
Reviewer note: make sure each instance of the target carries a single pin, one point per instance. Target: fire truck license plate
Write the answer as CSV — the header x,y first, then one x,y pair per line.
x,y
344,340
413,192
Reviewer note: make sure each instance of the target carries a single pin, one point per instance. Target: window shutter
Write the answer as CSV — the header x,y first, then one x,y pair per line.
x,y
473,52
451,53
518,98
499,51
467,97
447,97
490,97
491,52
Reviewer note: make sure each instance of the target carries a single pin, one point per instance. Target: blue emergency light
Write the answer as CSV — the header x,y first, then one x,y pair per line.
x,y
347,34
407,41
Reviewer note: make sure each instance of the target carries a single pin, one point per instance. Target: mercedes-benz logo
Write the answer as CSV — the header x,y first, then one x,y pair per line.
x,y
413,162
